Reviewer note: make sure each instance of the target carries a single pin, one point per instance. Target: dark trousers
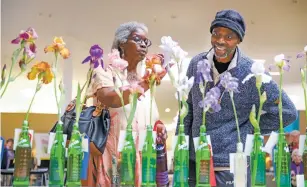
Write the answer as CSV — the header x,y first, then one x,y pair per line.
x,y
223,178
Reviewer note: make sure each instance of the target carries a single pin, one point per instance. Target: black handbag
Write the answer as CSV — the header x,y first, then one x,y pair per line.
x,y
94,121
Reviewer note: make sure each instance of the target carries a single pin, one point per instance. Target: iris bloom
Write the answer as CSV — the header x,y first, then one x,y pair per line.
x,y
258,71
42,70
29,35
281,62
154,68
95,57
58,46
203,71
116,62
211,100
229,82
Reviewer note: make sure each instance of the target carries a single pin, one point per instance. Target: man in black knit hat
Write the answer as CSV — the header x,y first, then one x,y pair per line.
x,y
227,31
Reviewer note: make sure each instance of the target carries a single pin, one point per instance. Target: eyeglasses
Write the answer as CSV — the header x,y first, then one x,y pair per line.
x,y
139,40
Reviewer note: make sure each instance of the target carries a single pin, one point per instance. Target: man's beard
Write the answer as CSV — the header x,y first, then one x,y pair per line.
x,y
228,52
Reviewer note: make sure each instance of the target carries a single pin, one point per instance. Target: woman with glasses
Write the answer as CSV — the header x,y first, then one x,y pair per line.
x,y
132,43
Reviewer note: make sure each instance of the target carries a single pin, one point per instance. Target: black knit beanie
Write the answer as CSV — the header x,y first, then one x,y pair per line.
x,y
230,19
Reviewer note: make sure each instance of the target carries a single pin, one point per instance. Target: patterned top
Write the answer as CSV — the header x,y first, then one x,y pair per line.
x,y
221,126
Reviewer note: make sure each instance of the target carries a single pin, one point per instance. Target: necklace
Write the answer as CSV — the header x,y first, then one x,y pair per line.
x,y
132,77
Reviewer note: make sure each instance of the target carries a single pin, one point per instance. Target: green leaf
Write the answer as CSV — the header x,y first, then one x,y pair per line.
x,y
253,120
2,83
78,102
134,98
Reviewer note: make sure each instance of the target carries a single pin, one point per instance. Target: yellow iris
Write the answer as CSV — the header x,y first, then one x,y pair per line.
x,y
152,60
58,46
43,71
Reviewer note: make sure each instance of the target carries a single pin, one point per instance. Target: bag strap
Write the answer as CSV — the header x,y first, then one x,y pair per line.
x,y
99,106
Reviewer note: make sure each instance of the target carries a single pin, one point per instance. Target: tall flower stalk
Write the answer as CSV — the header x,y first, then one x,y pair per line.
x,y
118,65
230,84
283,155
58,48
41,71
152,76
26,40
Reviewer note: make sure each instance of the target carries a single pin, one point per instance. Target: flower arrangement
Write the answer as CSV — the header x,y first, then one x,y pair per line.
x,y
230,85
281,153
153,74
258,156
303,80
209,103
57,155
175,55
303,75
118,66
26,40
42,72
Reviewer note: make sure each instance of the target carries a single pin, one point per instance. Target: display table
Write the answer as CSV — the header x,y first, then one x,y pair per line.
x,y
41,173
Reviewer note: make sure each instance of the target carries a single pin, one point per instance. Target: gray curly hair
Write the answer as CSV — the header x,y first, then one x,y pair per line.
x,y
124,31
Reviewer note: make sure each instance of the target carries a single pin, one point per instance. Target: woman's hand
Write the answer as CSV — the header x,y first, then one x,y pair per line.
x,y
161,133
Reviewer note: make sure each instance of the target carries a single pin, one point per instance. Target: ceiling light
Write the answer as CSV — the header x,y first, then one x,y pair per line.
x,y
259,60
274,73
167,110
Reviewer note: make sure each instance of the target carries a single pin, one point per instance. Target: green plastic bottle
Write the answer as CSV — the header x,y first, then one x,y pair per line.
x,y
203,154
128,159
74,158
258,159
57,158
23,157
181,160
283,177
149,156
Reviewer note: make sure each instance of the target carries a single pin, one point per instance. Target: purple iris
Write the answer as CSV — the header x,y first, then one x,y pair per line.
x,y
95,57
300,55
203,71
211,100
229,82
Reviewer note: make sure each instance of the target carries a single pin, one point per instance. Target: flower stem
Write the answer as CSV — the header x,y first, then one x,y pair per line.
x,y
36,90
55,85
280,103
121,95
204,113
236,117
260,106
179,108
14,58
86,85
133,109
152,90
304,82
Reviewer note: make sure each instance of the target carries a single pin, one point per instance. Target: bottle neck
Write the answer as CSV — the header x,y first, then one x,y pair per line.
x,y
25,129
181,130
